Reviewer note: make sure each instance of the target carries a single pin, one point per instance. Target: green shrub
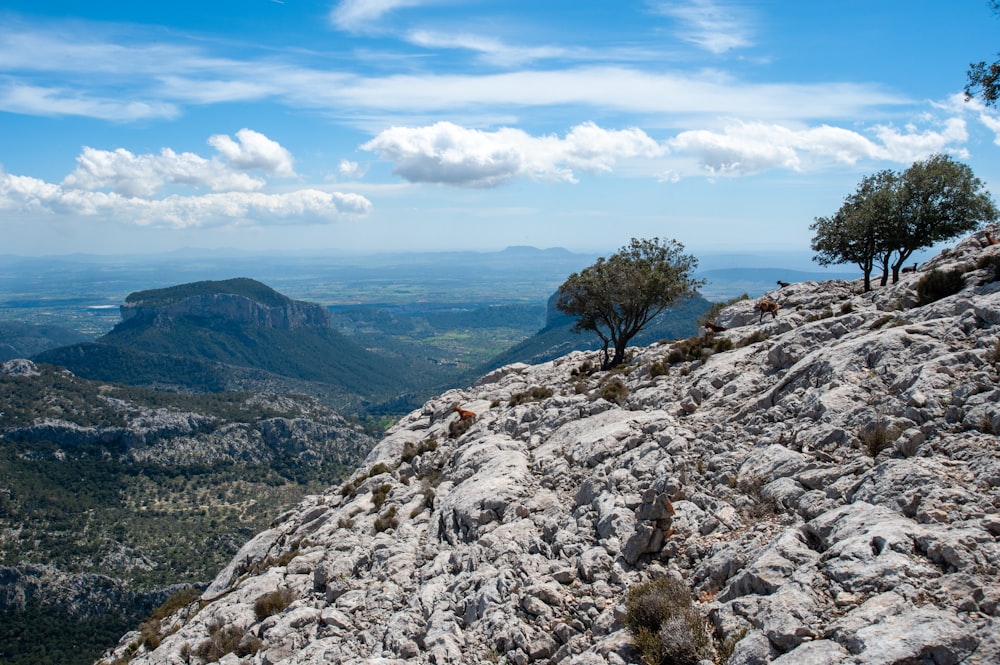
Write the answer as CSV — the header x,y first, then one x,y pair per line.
x,y
659,368
386,520
380,494
615,391
990,262
459,426
666,629
939,284
223,640
272,603
847,307
536,394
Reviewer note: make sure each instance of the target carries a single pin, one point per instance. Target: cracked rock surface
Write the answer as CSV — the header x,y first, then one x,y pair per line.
x,y
828,488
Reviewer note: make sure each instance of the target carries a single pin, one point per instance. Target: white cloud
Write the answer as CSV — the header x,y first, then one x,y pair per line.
x,y
491,49
747,148
305,206
913,144
448,154
713,26
254,151
349,169
355,15
132,175
58,101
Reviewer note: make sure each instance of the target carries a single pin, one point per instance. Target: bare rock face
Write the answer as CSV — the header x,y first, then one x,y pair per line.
x,y
234,308
828,489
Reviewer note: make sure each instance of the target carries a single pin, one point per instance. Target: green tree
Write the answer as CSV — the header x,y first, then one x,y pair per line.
x,y
938,199
892,215
983,79
616,297
858,232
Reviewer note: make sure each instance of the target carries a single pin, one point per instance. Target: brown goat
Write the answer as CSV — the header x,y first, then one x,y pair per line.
x,y
912,268
463,414
990,240
713,327
767,307
782,285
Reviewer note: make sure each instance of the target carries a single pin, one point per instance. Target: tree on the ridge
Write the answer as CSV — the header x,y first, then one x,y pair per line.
x,y
858,232
892,215
939,199
983,79
616,297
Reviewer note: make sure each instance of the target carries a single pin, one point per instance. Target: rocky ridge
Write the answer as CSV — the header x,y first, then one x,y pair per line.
x,y
828,488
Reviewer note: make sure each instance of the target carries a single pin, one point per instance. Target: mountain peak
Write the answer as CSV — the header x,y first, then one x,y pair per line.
x,y
240,300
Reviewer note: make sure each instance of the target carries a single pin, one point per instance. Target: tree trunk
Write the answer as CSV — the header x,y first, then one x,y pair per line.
x,y
868,281
617,359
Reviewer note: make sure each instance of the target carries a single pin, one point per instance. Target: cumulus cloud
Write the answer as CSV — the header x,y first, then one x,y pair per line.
x,y
713,26
133,175
449,154
218,209
747,148
254,151
354,15
121,186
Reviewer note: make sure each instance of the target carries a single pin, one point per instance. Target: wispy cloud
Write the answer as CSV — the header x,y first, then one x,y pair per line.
x,y
355,15
714,26
491,50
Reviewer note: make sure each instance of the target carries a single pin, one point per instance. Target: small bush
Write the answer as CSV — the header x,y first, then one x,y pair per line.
x,y
615,391
379,469
847,307
221,640
273,603
386,520
659,368
536,394
939,284
411,451
586,368
380,494
877,436
666,629
459,426
990,262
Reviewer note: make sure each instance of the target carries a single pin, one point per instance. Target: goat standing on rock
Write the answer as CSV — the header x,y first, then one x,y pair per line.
x,y
767,307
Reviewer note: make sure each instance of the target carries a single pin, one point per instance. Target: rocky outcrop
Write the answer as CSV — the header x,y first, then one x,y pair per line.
x,y
828,489
229,308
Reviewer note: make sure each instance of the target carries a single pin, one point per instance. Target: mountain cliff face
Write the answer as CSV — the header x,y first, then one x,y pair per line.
x,y
242,301
826,484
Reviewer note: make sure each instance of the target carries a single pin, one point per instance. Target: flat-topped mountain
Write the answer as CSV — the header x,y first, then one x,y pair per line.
x,y
241,301
821,486
237,334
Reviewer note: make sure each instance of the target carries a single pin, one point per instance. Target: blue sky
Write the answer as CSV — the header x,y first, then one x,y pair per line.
x,y
377,125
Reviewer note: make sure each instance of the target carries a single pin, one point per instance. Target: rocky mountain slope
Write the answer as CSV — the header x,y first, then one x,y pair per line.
x,y
112,496
825,485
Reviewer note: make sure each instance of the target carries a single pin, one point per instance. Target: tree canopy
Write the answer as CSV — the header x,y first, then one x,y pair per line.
x,y
891,215
616,297
984,79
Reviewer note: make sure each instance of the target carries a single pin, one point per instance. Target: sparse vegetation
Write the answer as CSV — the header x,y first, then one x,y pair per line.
x,y
614,391
990,263
697,348
273,602
939,284
666,629
386,520
877,436
536,394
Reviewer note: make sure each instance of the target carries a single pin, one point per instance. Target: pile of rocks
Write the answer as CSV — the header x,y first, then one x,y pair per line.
x,y
828,488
